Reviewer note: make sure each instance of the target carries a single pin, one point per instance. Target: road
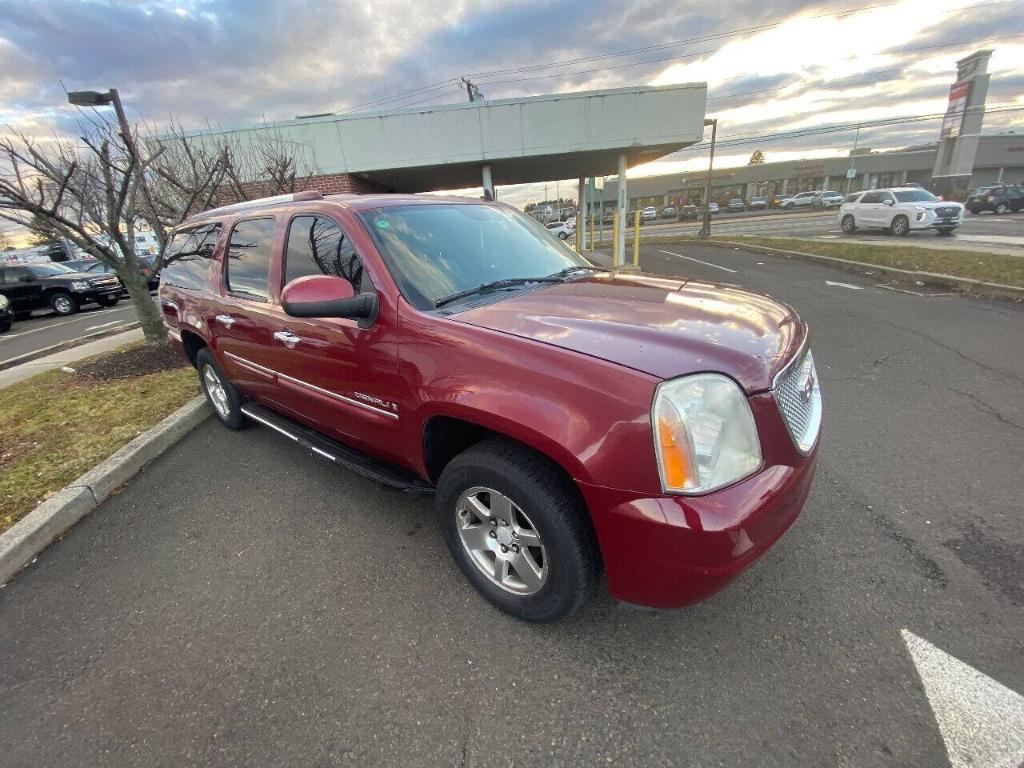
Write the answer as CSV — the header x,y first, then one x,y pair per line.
x,y
46,329
243,603
985,232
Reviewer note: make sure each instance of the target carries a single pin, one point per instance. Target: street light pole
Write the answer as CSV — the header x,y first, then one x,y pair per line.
x,y
705,229
853,161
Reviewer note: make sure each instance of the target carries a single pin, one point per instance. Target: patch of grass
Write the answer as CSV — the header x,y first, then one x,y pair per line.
x,y
55,426
976,265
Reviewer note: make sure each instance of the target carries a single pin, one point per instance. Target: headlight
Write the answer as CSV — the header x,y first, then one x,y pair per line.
x,y
4,303
704,433
79,285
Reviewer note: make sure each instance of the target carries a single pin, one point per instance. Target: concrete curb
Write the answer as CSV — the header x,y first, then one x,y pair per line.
x,y
63,346
964,285
34,532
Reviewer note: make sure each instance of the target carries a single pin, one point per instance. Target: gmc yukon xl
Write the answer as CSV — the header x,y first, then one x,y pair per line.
x,y
571,420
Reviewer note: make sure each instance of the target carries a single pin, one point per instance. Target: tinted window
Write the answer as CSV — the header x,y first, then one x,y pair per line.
x,y
915,196
14,274
248,262
318,246
872,197
187,260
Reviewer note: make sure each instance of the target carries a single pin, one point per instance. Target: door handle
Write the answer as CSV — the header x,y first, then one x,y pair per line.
x,y
287,338
226,320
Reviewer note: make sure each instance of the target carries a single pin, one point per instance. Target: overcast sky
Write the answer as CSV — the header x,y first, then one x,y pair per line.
x,y
772,65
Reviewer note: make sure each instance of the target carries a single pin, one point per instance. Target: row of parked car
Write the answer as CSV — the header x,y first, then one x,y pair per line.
x,y
63,287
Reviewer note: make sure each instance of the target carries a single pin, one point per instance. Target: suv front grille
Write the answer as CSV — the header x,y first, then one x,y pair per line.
x,y
798,395
947,211
103,282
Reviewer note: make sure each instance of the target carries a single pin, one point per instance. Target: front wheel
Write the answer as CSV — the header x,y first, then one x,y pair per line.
x,y
63,303
562,236
900,225
517,528
1001,208
220,393
5,326
848,225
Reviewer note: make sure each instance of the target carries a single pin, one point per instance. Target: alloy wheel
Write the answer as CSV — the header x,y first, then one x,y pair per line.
x,y
63,305
501,541
216,392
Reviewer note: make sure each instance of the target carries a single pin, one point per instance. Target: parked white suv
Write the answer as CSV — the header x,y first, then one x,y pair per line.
x,y
561,229
650,213
899,210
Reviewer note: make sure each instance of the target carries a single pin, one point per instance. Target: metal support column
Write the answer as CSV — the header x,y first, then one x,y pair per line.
x,y
581,216
619,249
488,184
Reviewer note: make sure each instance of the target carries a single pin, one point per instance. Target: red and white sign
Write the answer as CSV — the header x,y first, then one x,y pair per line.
x,y
954,117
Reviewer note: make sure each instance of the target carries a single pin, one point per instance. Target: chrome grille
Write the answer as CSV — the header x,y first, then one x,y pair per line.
x,y
100,282
947,211
798,395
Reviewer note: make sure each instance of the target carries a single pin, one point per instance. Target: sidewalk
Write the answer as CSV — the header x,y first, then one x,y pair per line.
x,y
67,357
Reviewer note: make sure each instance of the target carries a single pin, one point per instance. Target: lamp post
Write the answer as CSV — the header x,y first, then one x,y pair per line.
x,y
705,227
97,99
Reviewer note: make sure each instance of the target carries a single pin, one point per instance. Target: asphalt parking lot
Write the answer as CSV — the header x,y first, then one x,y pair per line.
x,y
244,603
46,329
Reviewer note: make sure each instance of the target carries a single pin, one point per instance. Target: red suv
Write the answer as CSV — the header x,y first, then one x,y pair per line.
x,y
568,418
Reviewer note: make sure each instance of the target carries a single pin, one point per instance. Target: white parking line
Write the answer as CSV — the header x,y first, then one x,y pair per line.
x,y
846,285
79,319
705,263
102,325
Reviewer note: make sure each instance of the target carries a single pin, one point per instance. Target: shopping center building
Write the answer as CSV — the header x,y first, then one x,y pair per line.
x,y
999,158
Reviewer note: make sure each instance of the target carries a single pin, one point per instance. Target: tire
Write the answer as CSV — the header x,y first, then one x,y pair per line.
x,y
900,226
848,225
562,236
108,301
542,506
227,403
1001,209
5,326
63,303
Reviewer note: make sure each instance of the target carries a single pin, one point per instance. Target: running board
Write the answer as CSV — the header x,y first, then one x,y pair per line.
x,y
386,474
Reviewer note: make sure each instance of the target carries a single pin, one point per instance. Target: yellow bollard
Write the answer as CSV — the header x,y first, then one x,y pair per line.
x,y
615,239
636,240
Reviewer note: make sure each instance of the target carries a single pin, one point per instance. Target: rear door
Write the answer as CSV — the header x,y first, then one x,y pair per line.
x,y
243,320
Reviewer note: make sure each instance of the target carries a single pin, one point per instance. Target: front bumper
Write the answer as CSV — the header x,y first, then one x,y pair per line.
x,y
94,295
669,551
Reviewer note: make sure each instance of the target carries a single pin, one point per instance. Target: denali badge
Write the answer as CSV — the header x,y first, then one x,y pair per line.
x,y
376,402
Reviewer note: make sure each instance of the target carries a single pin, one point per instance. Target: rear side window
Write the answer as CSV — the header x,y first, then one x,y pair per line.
x,y
317,245
187,260
872,197
249,253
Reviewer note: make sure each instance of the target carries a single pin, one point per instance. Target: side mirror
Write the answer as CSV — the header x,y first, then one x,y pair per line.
x,y
327,296
888,202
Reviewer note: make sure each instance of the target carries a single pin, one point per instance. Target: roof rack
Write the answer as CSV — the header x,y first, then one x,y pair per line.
x,y
294,197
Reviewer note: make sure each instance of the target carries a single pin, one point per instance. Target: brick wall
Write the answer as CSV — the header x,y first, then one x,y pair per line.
x,y
327,184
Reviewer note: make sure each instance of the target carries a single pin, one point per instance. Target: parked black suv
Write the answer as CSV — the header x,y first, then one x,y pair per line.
x,y
47,284
998,198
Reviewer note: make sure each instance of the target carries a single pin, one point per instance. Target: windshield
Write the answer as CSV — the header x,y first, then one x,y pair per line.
x,y
915,196
436,250
45,270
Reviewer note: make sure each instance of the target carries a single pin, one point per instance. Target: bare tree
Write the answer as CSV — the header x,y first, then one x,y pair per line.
x,y
86,193
96,193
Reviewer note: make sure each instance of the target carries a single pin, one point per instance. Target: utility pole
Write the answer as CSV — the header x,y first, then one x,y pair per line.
x,y
472,91
705,228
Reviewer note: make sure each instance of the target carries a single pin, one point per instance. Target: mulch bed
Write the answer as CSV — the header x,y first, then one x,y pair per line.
x,y
130,363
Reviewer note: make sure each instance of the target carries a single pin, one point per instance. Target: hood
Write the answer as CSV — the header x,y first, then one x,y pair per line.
x,y
67,276
665,327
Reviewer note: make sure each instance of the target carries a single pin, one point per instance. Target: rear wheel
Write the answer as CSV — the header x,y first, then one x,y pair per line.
x,y
5,326
517,529
63,303
221,395
849,226
900,225
1001,208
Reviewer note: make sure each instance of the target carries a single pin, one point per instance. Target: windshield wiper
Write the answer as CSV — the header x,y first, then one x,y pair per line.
x,y
495,285
575,268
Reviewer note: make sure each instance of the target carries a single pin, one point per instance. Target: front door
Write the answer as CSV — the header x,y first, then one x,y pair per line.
x,y
869,212
339,374
24,291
